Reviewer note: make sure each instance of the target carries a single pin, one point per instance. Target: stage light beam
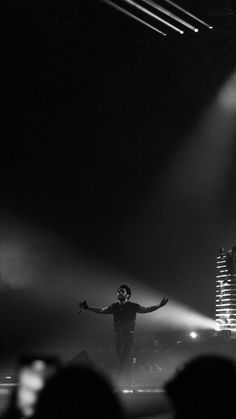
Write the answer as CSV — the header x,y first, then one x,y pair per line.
x,y
188,13
154,16
126,12
171,15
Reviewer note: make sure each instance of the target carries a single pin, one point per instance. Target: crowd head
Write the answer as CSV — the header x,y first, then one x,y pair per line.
x,y
78,391
204,388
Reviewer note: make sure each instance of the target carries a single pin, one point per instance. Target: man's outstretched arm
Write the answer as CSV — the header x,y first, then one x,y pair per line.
x,y
149,309
98,310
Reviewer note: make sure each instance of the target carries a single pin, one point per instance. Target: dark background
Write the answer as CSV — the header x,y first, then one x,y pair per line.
x,y
94,108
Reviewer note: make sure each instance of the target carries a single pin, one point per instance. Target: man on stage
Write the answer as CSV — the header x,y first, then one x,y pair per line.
x,y
124,320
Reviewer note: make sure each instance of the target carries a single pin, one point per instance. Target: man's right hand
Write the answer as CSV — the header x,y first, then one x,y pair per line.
x,y
83,304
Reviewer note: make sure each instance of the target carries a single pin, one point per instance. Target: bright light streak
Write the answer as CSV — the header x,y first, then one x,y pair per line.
x,y
126,12
188,13
151,390
153,15
171,15
224,309
172,316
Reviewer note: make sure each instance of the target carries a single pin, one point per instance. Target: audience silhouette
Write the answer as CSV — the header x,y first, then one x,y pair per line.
x,y
78,392
204,388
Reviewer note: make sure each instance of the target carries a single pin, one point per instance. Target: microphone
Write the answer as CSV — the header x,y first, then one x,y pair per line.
x,y
82,304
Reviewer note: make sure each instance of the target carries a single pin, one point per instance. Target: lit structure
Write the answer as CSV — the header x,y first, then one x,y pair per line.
x,y
226,291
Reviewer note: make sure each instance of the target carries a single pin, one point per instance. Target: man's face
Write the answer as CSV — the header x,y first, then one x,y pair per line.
x,y
122,294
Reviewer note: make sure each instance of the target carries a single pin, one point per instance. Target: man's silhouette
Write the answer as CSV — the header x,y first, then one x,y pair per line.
x,y
124,321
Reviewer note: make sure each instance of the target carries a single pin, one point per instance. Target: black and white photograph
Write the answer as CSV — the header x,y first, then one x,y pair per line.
x,y
118,209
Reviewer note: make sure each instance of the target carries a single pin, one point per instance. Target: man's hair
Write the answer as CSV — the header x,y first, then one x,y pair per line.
x,y
128,289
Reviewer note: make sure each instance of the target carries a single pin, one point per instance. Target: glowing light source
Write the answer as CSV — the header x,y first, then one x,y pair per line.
x,y
193,335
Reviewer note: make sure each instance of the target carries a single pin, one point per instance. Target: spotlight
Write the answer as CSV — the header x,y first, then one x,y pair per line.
x,y
193,335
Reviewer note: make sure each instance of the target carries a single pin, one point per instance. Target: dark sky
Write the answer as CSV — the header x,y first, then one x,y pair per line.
x,y
94,108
